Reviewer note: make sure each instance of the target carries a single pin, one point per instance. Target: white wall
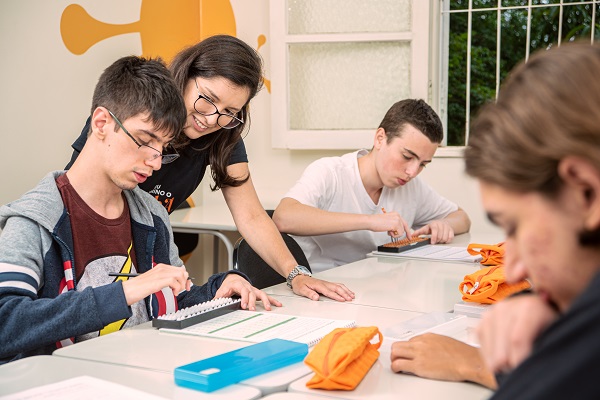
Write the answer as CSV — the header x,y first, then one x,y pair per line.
x,y
45,91
46,95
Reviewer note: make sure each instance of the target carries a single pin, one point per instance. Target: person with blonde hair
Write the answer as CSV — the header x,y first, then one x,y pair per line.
x,y
536,155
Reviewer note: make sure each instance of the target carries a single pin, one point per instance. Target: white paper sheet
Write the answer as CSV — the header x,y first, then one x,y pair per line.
x,y
82,387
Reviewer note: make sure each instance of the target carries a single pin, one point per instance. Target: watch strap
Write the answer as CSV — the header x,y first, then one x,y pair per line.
x,y
298,270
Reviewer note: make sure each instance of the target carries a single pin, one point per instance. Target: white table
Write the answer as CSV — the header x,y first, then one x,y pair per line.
x,y
402,283
207,220
388,291
43,370
410,285
293,396
146,348
381,383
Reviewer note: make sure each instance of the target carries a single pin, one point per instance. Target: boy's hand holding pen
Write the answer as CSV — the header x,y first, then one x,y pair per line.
x,y
161,276
133,275
394,235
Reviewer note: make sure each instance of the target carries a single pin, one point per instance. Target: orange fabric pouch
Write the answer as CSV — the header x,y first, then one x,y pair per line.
x,y
492,254
488,285
342,358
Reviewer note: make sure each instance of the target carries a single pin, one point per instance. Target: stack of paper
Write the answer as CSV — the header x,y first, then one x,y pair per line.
x,y
434,252
436,322
457,326
82,387
470,309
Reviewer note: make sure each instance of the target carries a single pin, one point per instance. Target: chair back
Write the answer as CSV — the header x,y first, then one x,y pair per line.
x,y
186,242
246,260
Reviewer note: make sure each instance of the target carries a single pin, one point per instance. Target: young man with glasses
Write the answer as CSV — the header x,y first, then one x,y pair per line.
x,y
338,207
62,242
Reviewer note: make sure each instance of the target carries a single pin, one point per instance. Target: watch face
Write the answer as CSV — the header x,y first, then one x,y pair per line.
x,y
303,270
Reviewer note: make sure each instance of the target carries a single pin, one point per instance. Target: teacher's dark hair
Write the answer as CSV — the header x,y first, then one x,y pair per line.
x,y
226,57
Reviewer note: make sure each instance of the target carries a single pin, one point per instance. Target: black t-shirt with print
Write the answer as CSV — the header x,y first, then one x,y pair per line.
x,y
175,182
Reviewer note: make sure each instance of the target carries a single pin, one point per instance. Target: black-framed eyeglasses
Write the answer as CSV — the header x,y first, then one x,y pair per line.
x,y
205,106
154,154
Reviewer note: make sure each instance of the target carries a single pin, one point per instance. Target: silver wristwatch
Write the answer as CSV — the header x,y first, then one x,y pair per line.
x,y
299,270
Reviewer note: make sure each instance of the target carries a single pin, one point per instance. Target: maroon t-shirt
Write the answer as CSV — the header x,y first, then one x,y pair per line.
x,y
101,246
96,238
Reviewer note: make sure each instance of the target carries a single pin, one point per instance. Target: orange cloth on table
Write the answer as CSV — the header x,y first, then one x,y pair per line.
x,y
488,285
343,357
492,254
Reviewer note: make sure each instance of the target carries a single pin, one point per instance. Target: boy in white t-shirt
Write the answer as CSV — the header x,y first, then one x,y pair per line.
x,y
344,207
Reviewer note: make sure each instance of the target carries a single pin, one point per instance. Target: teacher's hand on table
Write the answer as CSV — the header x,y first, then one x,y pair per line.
x,y
311,287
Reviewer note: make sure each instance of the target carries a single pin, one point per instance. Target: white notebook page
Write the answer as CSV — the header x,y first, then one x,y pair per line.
x,y
434,252
257,327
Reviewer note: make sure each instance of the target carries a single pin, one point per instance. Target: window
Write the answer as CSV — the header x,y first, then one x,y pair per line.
x,y
338,65
482,40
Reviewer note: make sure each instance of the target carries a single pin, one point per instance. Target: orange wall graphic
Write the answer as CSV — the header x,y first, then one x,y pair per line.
x,y
165,27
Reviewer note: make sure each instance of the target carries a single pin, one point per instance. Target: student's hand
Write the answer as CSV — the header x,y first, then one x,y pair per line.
x,y
508,329
159,277
310,287
440,231
441,357
234,284
390,222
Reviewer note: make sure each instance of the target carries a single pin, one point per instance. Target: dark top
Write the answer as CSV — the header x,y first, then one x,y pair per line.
x,y
565,360
175,182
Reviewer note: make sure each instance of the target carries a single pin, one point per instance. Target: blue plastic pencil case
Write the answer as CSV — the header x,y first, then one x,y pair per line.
x,y
225,369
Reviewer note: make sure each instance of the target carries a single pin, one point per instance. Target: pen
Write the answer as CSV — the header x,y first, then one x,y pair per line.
x,y
131,275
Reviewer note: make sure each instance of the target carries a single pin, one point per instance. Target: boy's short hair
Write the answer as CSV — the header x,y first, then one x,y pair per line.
x,y
133,85
416,113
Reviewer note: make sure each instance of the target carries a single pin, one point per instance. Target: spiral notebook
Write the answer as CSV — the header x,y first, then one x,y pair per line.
x,y
255,327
